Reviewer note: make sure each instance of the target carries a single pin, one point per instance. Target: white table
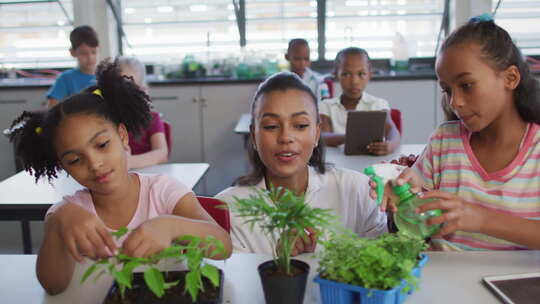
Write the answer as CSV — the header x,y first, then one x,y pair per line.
x,y
336,156
448,277
21,199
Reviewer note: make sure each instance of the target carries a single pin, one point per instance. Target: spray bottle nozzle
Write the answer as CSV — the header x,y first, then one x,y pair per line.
x,y
381,174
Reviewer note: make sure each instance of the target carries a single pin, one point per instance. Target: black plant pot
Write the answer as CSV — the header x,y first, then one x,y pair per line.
x,y
280,288
141,294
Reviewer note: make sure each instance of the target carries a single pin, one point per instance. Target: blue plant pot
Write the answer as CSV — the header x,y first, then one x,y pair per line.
x,y
333,292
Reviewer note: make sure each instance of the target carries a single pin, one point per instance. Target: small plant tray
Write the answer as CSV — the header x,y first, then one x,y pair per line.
x,y
333,292
141,294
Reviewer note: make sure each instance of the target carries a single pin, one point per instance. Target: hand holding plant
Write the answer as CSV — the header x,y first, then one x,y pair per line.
x,y
121,266
84,234
284,218
149,238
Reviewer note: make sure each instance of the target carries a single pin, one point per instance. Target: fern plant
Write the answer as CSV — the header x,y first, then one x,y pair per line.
x,y
121,266
283,217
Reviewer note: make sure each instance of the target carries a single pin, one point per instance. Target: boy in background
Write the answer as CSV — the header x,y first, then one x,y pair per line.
x,y
85,48
353,70
298,57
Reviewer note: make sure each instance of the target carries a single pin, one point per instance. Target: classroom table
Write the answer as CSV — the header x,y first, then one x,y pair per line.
x,y
448,277
21,199
336,156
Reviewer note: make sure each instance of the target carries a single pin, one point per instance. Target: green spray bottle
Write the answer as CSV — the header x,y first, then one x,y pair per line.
x,y
406,219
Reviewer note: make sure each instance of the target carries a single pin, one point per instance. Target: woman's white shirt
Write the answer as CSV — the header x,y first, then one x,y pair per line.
x,y
344,191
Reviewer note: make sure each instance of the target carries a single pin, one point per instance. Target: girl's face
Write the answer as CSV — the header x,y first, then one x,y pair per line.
x,y
354,74
474,90
93,150
285,132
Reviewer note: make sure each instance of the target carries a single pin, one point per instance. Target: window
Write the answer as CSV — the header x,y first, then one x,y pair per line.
x,y
167,31
373,24
35,34
270,24
521,18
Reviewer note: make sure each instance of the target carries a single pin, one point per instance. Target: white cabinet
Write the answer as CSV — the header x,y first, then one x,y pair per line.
x,y
223,149
12,103
203,117
180,107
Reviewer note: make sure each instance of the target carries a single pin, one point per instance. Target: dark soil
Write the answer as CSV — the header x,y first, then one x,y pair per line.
x,y
140,294
275,271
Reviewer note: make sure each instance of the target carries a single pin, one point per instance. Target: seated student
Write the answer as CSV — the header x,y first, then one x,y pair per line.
x,y
285,151
86,135
484,167
150,148
353,70
298,57
85,48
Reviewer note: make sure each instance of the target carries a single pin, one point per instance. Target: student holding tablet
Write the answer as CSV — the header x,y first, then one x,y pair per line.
x,y
353,70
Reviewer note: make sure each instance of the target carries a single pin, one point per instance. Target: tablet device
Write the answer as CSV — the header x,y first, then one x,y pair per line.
x,y
363,128
515,288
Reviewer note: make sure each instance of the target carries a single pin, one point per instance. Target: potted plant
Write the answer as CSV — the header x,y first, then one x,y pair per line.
x,y
283,217
202,281
375,271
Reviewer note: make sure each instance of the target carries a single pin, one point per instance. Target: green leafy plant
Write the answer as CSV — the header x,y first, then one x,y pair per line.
x,y
121,266
380,263
283,217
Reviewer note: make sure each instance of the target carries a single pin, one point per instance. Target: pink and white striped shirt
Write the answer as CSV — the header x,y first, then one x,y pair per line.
x,y
449,164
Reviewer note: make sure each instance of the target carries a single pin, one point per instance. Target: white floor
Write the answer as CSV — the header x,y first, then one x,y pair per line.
x,y
11,237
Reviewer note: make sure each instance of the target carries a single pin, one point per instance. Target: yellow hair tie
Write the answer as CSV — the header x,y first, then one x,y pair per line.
x,y
38,130
97,92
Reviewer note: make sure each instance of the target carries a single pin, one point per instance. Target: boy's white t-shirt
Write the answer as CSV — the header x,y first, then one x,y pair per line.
x,y
338,114
158,195
344,191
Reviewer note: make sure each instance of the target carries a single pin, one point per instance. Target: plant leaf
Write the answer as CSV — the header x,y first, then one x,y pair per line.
x,y
193,279
211,272
120,232
154,280
88,272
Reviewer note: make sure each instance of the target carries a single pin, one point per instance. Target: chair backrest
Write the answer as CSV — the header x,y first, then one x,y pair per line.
x,y
395,114
168,135
220,215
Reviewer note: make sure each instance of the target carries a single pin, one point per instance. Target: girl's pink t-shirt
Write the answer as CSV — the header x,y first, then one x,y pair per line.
x,y
158,195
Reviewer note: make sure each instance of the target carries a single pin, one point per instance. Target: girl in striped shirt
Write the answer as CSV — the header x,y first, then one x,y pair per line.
x,y
484,167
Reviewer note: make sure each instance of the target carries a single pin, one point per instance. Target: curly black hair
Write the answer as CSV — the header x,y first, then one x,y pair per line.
x,y
120,101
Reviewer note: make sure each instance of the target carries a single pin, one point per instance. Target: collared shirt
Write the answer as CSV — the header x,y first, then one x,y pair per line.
x,y
315,82
338,114
344,191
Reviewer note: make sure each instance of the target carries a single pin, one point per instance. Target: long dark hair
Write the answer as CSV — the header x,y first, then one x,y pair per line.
x,y
279,82
500,52
115,98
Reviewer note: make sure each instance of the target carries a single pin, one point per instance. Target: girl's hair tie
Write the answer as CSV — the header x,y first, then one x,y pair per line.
x,y
485,17
38,130
97,92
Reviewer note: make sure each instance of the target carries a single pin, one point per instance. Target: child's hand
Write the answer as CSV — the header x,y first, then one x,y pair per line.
x,y
389,199
150,237
83,233
380,147
457,214
305,244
